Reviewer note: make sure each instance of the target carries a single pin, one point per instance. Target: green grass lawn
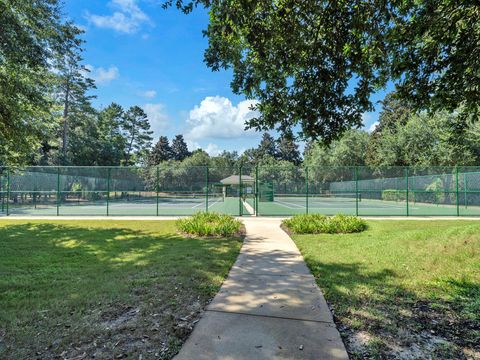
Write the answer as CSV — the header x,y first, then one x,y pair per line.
x,y
103,288
402,288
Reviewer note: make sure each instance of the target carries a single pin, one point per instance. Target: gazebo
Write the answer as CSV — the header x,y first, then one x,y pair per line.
x,y
245,181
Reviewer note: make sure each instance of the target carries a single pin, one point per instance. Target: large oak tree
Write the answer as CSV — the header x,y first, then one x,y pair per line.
x,y
315,63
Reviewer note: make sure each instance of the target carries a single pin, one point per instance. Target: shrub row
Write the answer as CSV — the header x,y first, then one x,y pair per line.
x,y
317,224
209,224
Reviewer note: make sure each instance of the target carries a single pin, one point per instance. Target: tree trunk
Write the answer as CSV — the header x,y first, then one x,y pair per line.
x,y
127,157
65,121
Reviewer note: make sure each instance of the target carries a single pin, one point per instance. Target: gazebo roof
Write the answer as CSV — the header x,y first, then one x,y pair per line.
x,y
235,180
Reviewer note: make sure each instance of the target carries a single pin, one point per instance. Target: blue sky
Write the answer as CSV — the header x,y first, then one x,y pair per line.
x,y
141,54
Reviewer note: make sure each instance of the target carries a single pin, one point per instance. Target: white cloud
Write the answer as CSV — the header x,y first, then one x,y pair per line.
x,y
127,19
157,116
373,126
101,75
217,117
212,149
370,121
149,94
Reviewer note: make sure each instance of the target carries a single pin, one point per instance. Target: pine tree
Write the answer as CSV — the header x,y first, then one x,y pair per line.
x,y
136,128
179,148
160,152
72,83
288,149
267,147
112,142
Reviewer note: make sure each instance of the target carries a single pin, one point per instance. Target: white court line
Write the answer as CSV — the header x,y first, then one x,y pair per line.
x,y
195,206
285,204
216,201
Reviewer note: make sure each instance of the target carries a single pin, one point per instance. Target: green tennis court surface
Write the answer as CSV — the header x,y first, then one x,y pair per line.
x,y
291,205
281,206
146,207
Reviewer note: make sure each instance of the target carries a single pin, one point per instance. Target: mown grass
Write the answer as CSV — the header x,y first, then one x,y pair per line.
x,y
209,224
103,288
321,224
402,289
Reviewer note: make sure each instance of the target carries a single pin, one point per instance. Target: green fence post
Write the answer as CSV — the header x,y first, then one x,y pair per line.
x,y
306,188
8,190
206,188
257,191
58,191
356,190
2,191
157,186
457,198
407,192
465,192
240,209
108,190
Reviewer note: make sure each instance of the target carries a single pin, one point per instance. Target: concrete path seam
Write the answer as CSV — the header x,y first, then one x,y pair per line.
x,y
270,316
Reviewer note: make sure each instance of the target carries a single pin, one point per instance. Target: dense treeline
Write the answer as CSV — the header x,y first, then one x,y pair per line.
x,y
46,113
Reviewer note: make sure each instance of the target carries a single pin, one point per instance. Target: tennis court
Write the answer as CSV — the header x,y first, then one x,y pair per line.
x,y
242,191
290,204
166,205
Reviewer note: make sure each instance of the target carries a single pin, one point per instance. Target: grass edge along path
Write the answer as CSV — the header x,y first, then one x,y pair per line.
x,y
402,289
104,288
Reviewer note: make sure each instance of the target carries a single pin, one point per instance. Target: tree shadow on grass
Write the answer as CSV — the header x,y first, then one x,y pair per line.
x,y
380,318
103,290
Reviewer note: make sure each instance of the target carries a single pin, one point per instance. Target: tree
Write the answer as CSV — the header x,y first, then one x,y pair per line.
x,y
161,152
349,150
394,114
72,84
227,159
31,34
427,140
136,128
316,63
288,149
267,147
179,148
112,142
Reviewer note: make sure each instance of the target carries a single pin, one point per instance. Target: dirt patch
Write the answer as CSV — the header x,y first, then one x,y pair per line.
x,y
413,331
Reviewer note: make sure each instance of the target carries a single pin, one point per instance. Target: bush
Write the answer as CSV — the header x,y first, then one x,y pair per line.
x,y
393,195
317,224
209,224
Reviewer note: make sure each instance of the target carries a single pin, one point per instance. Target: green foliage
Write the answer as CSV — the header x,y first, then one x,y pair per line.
x,y
209,224
31,35
71,87
318,224
425,139
137,131
393,195
315,64
349,150
111,141
288,149
161,152
179,148
267,147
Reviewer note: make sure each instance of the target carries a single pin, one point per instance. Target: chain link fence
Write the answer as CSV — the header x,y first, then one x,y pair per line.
x,y
173,189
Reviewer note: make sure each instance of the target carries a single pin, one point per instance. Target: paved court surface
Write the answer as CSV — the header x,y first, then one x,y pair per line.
x,y
268,308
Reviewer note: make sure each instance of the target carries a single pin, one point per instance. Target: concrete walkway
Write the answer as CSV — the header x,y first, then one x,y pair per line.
x,y
268,308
